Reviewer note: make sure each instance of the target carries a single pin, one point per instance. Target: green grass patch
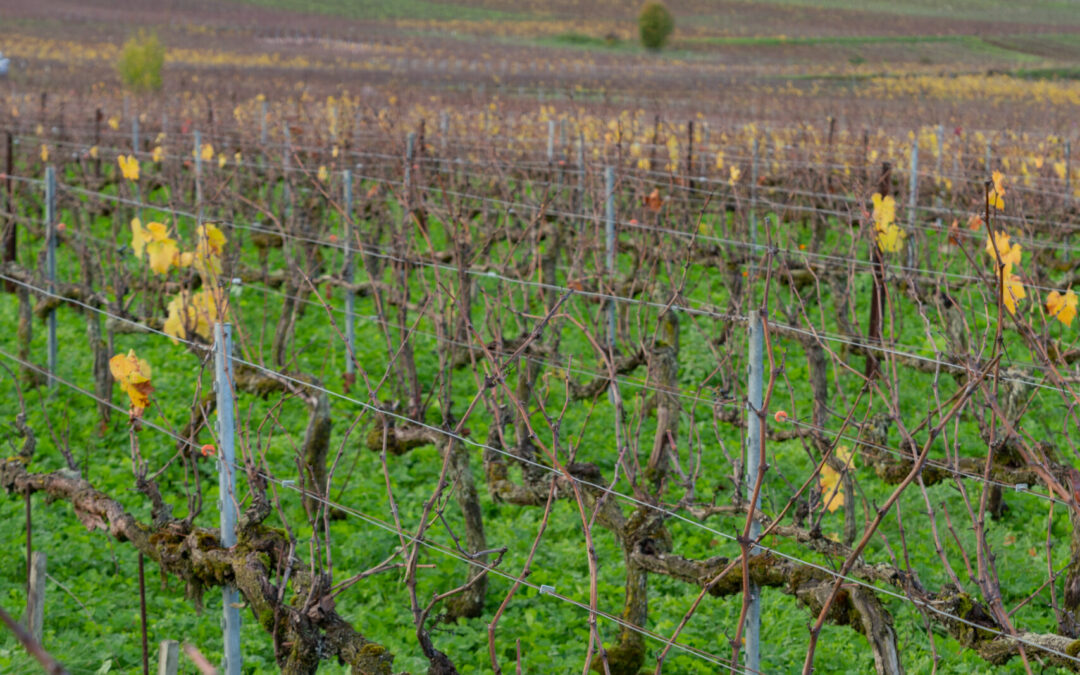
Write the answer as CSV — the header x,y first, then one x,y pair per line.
x,y
101,573
390,9
1056,12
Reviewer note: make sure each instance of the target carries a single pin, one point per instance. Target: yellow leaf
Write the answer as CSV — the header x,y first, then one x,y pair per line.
x,y
211,239
221,161
162,254
323,174
129,166
44,153
93,152
139,237
158,154
175,324
1010,255
157,231
206,152
832,491
1011,290
1062,307
114,123
890,237
843,453
884,210
191,314
736,173
997,192
208,251
154,240
133,376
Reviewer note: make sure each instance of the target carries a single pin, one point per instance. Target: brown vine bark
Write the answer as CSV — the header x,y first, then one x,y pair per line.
x,y
312,629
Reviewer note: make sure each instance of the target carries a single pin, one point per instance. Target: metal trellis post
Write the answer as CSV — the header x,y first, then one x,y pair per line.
x,y
198,175
285,161
754,396
562,139
350,296
913,199
704,163
938,170
262,118
551,141
609,183
227,499
410,144
753,215
581,173
753,194
50,263
1068,173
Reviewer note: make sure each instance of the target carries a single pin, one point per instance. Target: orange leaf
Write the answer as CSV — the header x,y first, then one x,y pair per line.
x,y
1062,306
133,376
654,201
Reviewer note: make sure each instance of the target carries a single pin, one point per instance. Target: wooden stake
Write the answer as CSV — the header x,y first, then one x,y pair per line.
x,y
168,657
35,600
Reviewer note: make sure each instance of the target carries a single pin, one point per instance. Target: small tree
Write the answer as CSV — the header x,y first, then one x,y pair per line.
x,y
655,24
141,61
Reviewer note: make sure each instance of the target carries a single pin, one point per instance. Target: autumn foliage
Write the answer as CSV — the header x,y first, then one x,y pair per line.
x,y
141,62
655,24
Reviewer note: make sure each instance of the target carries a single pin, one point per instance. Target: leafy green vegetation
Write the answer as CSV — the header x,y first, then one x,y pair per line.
x,y
141,61
989,11
655,24
100,573
391,9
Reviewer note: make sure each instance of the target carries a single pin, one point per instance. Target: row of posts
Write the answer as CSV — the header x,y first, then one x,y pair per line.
x,y
443,127
222,343
756,361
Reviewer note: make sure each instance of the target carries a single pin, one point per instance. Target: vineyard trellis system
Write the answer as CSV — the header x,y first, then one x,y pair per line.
x,y
578,322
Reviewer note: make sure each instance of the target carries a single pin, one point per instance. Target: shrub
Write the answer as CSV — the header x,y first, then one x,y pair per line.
x,y
655,24
141,61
